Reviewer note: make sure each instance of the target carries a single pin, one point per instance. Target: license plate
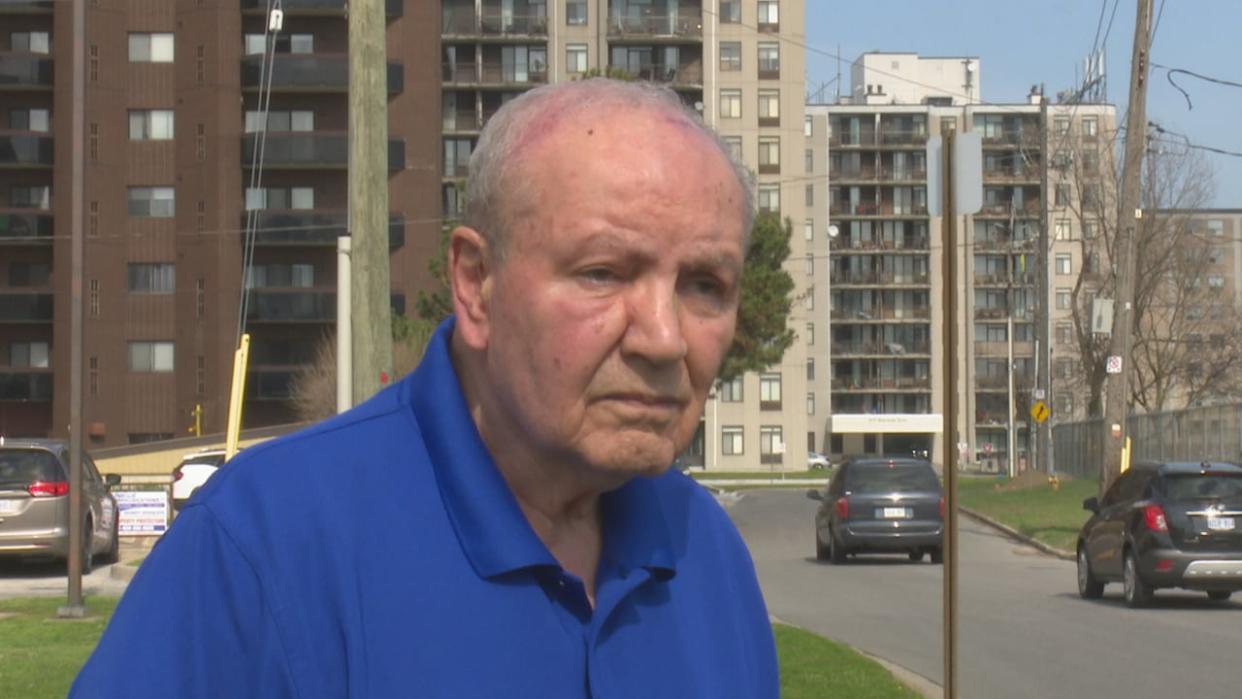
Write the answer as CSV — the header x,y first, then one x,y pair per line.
x,y
1217,524
8,507
894,513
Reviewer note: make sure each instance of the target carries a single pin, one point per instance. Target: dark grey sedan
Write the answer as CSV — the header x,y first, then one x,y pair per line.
x,y
880,505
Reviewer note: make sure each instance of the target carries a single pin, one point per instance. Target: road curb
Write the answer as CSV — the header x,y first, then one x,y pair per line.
x,y
919,683
1015,534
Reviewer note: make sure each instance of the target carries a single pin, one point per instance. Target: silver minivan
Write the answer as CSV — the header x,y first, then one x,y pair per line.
x,y
34,503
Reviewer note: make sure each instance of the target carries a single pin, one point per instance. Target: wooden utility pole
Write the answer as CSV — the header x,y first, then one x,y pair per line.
x,y
1117,391
1043,322
948,270
368,198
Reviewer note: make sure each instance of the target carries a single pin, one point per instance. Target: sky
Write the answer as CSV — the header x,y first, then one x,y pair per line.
x,y
1020,44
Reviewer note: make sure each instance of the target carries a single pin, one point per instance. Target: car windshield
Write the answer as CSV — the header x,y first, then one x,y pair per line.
x,y
893,478
1204,486
25,466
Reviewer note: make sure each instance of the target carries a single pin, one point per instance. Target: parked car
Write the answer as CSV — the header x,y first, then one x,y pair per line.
x,y
1173,524
193,471
816,461
34,503
880,505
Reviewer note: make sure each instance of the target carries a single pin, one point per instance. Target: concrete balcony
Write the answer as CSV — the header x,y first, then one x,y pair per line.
x,y
314,73
23,150
311,150
312,228
26,7
291,306
312,8
685,23
25,71
26,385
25,307
25,227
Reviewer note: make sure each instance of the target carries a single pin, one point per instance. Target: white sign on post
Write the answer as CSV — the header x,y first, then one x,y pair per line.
x,y
1113,365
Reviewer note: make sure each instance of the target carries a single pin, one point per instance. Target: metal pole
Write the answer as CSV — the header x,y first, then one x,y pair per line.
x,y
1011,438
1043,319
344,336
949,441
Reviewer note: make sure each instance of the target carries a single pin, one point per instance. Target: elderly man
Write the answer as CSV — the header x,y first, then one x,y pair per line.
x,y
502,522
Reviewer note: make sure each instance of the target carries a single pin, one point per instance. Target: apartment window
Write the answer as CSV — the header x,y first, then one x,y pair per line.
x,y
769,15
1090,127
1065,334
29,120
256,44
1064,299
576,59
771,444
810,195
1064,368
150,124
770,391
1060,126
1062,230
1216,227
32,42
575,12
94,63
769,60
808,161
731,390
730,11
735,147
1090,196
200,297
200,216
731,443
94,376
200,142
770,198
200,375
1062,195
1216,281
94,298
151,202
297,276
807,127
810,368
37,197
808,302
769,107
769,155
730,56
292,120
457,156
730,104
28,355
1090,162
151,48
24,274
93,226
810,404
152,277
808,229
1089,229
523,64
1065,264
151,356
299,198
1065,405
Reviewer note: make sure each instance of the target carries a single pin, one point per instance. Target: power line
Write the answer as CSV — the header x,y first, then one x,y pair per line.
x,y
1169,74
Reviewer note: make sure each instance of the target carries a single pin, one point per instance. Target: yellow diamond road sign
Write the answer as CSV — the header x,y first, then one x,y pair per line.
x,y
1040,411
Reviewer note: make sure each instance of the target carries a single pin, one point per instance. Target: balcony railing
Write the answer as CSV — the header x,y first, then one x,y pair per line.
x,y
911,243
24,227
25,150
311,73
1004,244
25,71
685,23
847,139
888,174
690,74
490,73
1022,174
270,384
876,277
312,228
392,8
874,313
1004,208
25,7
900,383
496,23
910,137
885,208
1003,279
33,386
311,149
1024,137
879,348
292,306
25,307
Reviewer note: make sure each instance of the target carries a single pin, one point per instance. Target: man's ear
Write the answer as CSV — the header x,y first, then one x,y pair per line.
x,y
470,273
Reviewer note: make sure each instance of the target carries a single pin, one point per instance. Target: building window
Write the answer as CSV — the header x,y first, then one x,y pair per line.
x,y
1216,227
28,355
1062,195
730,11
200,142
152,202
810,265
1216,281
151,356
810,404
152,277
770,391
730,104
94,376
771,444
1060,126
1089,229
1090,162
200,298
769,16
94,302
808,302
300,120
575,12
769,107
29,120
200,216
1064,299
1065,405
576,59
1065,333
93,145
769,60
770,198
280,276
810,333
1064,368
93,226
30,42
808,229
282,198
730,56
36,197
1090,127
807,127
1062,230
256,44
151,48
735,147
810,195
731,390
1065,264
150,124
28,274
200,375
731,443
769,155
808,161
810,368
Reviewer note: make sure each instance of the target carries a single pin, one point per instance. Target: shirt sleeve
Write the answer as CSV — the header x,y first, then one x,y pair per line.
x,y
194,622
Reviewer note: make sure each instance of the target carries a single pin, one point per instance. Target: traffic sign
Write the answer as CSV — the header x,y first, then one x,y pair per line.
x,y
1113,365
1040,411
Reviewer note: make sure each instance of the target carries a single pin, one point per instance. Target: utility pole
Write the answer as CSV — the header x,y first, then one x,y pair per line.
x,y
1117,390
948,268
1043,317
368,198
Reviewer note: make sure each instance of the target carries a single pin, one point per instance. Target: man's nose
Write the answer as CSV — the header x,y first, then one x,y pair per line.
x,y
655,330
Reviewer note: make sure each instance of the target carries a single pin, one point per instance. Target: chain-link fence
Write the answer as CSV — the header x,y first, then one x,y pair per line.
x,y
1195,434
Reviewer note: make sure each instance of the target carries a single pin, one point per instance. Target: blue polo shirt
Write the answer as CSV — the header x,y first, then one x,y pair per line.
x,y
381,554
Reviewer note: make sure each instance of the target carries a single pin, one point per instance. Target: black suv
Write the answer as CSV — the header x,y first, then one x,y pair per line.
x,y
880,505
1176,524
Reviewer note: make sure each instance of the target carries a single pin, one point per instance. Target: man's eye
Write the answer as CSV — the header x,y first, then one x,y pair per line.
x,y
707,286
598,275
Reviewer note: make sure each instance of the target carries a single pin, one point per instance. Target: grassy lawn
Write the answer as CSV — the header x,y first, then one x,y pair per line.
x,y
40,655
738,475
1053,517
813,667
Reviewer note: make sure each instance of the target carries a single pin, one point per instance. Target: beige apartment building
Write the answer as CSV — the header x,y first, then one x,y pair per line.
x,y
887,304
741,65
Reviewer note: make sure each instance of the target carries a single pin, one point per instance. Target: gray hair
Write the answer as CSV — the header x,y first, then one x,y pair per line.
x,y
491,162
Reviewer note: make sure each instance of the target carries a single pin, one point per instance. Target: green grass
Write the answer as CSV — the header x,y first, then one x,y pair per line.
x,y
813,667
41,654
1053,517
764,475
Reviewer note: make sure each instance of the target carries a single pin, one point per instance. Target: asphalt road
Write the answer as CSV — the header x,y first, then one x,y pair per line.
x,y
1023,631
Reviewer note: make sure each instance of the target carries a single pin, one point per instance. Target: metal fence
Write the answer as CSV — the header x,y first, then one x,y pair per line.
x,y
1194,434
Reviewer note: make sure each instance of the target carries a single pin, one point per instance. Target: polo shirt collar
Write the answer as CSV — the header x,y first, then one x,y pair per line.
x,y
490,525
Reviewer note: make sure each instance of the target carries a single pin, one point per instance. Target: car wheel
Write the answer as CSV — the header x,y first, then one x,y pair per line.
x,y
836,552
1219,595
1137,593
821,551
113,554
1088,586
916,556
937,555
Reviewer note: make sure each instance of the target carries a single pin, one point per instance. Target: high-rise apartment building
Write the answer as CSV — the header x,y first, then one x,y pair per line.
x,y
173,119
887,315
740,63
